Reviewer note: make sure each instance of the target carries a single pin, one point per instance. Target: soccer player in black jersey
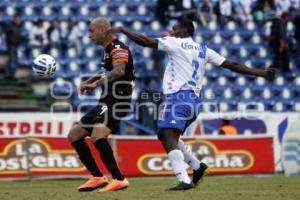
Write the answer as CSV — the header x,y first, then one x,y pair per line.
x,y
104,119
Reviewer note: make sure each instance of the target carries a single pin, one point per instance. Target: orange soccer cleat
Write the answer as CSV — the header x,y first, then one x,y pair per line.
x,y
115,185
93,183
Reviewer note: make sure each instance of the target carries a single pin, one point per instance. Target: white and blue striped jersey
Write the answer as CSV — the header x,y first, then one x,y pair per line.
x,y
186,66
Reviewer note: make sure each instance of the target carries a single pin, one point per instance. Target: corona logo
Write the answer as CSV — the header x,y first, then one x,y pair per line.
x,y
207,152
37,155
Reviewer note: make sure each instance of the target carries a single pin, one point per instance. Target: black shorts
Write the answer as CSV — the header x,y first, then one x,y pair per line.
x,y
109,112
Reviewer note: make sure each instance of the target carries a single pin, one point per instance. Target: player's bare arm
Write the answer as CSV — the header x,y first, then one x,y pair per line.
x,y
85,84
97,80
138,38
117,72
243,69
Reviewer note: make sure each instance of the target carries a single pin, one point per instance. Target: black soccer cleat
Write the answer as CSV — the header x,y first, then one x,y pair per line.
x,y
182,186
199,173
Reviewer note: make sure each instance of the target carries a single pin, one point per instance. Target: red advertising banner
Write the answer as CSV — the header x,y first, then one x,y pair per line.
x,y
224,156
33,157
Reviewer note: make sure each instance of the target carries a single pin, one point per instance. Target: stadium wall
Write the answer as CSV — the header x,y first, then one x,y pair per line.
x,y
34,145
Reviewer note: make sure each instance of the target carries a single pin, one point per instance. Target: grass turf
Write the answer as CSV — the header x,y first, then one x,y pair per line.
x,y
212,188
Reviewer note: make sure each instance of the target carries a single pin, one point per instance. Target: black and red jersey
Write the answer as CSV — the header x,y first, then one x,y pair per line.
x,y
117,51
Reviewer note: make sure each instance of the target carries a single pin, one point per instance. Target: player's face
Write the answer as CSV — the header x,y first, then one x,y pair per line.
x,y
96,35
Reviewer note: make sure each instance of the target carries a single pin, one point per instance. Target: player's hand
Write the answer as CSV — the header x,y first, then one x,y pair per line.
x,y
85,87
270,72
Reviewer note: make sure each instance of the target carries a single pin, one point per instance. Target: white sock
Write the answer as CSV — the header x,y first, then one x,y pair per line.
x,y
177,160
189,158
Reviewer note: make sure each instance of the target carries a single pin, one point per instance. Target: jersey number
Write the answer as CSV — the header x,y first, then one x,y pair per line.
x,y
195,75
196,65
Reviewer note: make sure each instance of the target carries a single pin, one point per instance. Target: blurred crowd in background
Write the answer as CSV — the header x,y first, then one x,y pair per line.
x,y
279,12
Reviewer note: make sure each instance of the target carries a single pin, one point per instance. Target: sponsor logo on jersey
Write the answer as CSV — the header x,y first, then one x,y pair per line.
x,y
186,45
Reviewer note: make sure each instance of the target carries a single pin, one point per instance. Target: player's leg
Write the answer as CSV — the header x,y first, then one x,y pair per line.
x,y
169,140
99,137
76,137
189,158
200,169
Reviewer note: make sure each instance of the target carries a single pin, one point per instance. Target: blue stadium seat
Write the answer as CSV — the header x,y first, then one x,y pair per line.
x,y
89,54
253,49
207,34
91,67
243,54
279,84
103,10
144,15
21,4
137,26
64,13
114,5
155,29
222,84
217,40
97,4
84,13
239,85
211,72
224,107
295,87
279,107
151,5
256,39
73,69
133,4
60,71
41,3
86,42
246,95
28,14
70,55
47,13
259,85
267,97
296,107
228,74
9,13
227,95
5,3
212,26
61,88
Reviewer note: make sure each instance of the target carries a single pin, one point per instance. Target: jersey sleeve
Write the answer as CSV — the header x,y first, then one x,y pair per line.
x,y
165,43
119,55
214,58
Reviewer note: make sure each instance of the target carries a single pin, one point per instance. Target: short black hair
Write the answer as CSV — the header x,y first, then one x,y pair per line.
x,y
188,24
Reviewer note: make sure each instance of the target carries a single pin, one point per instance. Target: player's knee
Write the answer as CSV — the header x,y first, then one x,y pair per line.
x,y
100,132
75,133
168,138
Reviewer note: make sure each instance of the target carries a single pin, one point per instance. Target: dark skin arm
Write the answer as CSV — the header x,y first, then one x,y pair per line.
x,y
243,69
117,72
138,38
231,65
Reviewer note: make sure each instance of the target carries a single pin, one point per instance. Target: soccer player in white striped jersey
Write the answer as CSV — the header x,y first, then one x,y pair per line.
x,y
181,87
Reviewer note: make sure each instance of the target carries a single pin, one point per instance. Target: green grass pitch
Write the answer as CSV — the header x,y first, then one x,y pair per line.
x,y
212,188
